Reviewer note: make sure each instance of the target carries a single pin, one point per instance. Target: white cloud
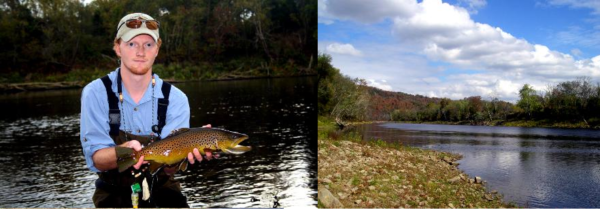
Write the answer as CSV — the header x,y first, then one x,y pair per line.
x,y
447,33
382,84
443,33
472,5
324,16
347,49
430,80
369,11
589,4
575,35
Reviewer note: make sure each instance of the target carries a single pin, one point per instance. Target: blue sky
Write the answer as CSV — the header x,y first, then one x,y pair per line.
x,y
462,48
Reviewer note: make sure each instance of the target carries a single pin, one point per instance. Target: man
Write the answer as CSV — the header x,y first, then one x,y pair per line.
x,y
128,108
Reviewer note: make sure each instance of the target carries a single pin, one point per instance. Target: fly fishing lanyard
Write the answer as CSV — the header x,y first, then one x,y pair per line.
x,y
135,188
120,90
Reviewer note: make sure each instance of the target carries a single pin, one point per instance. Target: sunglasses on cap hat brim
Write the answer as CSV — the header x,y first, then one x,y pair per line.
x,y
137,23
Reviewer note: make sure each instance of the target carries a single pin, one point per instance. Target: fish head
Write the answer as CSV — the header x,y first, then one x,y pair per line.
x,y
231,143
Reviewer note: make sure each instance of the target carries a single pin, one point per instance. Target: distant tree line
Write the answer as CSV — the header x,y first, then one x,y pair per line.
x,y
575,103
472,109
273,37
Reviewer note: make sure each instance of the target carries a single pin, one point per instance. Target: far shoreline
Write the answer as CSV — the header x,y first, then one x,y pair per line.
x,y
8,88
514,123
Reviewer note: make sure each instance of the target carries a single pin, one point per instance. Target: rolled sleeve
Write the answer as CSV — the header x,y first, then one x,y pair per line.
x,y
178,112
94,122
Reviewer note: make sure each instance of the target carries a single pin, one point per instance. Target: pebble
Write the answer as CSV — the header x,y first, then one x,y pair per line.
x,y
489,197
455,179
328,200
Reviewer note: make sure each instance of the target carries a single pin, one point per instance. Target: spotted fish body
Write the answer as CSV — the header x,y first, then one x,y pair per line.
x,y
175,148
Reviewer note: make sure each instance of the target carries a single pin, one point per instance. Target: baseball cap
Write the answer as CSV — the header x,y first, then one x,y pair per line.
x,y
126,33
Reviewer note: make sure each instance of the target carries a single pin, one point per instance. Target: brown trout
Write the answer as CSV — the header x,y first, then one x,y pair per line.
x,y
175,147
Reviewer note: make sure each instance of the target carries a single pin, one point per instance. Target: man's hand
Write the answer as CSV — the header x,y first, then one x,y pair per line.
x,y
135,145
196,154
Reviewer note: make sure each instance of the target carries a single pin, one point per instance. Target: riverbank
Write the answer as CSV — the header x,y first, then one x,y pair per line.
x,y
516,123
41,86
381,175
38,86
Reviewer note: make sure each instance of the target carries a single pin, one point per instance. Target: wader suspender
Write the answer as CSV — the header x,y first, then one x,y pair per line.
x,y
114,114
163,103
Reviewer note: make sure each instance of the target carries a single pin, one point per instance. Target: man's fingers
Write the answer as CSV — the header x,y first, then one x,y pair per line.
x,y
207,126
208,153
135,145
197,154
191,158
139,163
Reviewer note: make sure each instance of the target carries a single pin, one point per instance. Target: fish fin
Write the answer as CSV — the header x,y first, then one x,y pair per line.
x,y
125,163
177,132
155,167
238,149
183,165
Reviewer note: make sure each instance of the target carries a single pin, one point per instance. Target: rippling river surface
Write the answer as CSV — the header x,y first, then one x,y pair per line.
x,y
43,165
533,167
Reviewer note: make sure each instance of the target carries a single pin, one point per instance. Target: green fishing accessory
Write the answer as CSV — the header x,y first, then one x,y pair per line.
x,y
135,189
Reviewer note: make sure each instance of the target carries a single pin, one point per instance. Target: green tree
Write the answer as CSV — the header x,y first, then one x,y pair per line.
x,y
529,101
443,104
326,76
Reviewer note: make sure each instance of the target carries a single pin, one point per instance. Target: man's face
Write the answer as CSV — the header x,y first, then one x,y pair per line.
x,y
138,54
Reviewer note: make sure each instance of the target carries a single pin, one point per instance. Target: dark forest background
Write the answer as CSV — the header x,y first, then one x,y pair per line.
x,y
67,40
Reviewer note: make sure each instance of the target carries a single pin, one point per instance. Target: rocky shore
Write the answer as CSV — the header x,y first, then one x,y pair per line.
x,y
355,174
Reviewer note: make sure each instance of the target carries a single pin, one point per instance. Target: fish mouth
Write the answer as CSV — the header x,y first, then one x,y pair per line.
x,y
240,140
235,147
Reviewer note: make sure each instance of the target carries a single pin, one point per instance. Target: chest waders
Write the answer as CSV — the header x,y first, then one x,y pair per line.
x,y
113,189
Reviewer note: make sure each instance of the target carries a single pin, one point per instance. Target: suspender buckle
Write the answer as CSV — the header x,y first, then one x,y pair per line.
x,y
114,117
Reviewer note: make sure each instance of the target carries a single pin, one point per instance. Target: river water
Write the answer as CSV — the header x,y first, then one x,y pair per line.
x,y
532,167
43,165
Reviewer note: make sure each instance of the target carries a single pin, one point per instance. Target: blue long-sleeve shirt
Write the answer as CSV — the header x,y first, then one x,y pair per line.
x,y
136,118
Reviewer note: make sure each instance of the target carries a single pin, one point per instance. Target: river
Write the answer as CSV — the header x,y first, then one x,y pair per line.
x,y
532,167
43,165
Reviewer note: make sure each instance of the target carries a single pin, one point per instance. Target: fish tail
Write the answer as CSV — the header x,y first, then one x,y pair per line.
x,y
125,163
125,158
